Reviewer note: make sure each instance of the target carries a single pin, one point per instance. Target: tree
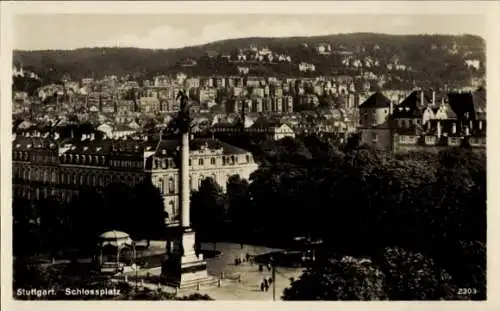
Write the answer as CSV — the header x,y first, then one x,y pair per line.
x,y
54,224
346,279
149,211
26,228
119,200
466,262
88,218
411,276
208,208
461,195
239,202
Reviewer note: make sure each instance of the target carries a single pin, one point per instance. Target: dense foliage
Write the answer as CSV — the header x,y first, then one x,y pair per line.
x,y
52,225
420,217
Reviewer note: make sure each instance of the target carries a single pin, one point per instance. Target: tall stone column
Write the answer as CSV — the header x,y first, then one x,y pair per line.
x,y
183,267
184,182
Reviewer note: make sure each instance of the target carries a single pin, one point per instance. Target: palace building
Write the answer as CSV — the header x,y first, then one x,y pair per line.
x,y
48,166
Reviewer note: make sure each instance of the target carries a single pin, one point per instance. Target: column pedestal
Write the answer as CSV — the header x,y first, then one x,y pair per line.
x,y
182,268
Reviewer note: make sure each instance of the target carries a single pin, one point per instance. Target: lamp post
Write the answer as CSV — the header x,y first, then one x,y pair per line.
x,y
273,269
136,268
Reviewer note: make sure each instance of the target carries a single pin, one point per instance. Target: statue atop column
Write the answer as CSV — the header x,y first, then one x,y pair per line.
x,y
183,120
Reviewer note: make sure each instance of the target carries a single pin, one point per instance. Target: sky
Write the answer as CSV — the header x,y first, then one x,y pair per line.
x,y
70,31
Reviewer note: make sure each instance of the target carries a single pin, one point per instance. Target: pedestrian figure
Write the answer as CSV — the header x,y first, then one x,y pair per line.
x,y
269,267
262,286
247,256
265,283
261,268
266,287
241,245
236,261
270,280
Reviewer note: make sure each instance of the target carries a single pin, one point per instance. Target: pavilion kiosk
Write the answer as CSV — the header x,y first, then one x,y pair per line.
x,y
182,267
112,246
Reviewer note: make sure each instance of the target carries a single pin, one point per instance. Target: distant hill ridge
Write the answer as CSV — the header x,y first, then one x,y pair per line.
x,y
413,50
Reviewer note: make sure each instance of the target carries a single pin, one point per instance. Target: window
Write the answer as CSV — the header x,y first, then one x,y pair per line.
x,y
374,137
161,185
171,185
200,161
189,162
172,209
212,161
248,158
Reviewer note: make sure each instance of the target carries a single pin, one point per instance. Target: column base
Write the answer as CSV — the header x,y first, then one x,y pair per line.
x,y
182,267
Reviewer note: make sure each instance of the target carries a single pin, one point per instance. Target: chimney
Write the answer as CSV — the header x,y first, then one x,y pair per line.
x,y
422,98
439,129
391,108
433,97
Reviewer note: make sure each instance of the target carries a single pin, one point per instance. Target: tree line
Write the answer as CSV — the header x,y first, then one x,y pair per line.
x,y
414,224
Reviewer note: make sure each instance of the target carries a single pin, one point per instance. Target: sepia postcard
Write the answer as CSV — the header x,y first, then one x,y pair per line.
x,y
250,151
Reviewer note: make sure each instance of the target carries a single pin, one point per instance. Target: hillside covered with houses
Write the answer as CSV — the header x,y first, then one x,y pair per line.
x,y
395,61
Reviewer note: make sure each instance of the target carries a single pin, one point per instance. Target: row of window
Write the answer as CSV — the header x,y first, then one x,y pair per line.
x,y
25,156
83,159
36,175
68,178
126,164
168,163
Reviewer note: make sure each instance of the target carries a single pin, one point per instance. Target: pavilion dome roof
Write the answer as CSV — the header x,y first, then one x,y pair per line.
x,y
114,235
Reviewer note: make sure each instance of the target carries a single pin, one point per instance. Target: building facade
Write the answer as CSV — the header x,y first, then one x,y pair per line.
x,y
46,166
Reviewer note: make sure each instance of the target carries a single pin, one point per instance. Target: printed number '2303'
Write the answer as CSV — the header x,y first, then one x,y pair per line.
x,y
467,291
